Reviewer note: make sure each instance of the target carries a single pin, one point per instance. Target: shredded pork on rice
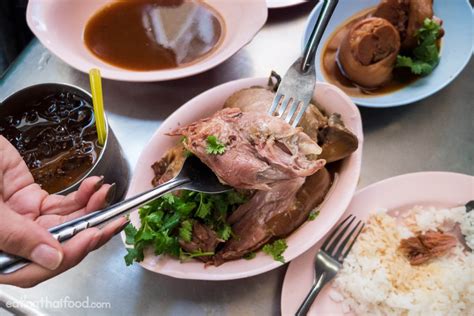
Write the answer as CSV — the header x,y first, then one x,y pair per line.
x,y
377,279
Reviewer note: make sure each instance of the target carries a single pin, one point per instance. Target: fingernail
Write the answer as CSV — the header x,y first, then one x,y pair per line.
x,y
120,228
47,256
99,183
110,194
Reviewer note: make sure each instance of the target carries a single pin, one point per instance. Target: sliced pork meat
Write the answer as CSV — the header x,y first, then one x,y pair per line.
x,y
260,150
337,142
169,165
308,197
396,12
419,11
250,221
407,16
274,213
425,247
368,52
254,99
203,239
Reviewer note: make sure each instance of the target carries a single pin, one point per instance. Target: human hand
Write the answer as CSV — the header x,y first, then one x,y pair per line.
x,y
26,211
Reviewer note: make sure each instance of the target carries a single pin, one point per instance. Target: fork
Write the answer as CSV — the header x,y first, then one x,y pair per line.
x,y
296,89
328,260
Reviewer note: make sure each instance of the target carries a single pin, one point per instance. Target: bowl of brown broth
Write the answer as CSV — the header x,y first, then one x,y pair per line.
x,y
52,126
405,88
146,40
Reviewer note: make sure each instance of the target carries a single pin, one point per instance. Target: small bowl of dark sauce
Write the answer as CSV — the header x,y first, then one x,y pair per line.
x,y
145,35
145,40
53,128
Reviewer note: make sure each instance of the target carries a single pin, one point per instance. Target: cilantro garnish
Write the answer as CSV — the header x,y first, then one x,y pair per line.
x,y
426,55
276,249
214,146
130,232
312,216
133,254
184,256
250,255
169,219
186,231
225,232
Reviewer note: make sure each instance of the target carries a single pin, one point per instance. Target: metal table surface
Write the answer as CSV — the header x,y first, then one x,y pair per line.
x,y
434,134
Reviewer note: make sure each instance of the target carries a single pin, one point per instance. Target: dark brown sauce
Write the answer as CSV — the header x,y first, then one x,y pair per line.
x,y
153,34
401,77
56,137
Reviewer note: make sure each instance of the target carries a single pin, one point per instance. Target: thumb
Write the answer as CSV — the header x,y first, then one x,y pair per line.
x,y
23,237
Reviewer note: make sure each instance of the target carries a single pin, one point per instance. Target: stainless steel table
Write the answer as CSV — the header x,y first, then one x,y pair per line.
x,y
434,134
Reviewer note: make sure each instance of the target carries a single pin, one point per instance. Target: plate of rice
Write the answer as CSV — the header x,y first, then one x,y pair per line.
x,y
413,257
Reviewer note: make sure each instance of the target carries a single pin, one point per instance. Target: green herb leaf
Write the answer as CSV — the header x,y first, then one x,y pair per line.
x,y
234,197
130,256
204,208
164,243
169,198
426,55
225,232
186,231
155,218
214,146
134,254
276,249
185,208
183,255
312,216
169,219
250,255
145,233
417,67
130,232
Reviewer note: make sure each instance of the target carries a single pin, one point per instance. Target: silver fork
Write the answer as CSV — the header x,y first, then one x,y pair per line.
x,y
296,89
328,260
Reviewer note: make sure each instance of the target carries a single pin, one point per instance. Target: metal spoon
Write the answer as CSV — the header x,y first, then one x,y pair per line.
x,y
194,176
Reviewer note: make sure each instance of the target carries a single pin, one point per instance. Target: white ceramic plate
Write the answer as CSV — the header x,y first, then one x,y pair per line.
x,y
332,100
275,4
59,25
456,49
438,189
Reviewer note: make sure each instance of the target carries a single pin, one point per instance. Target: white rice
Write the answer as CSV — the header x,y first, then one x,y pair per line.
x,y
377,279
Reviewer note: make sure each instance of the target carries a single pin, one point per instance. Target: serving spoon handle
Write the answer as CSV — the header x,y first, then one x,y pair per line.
x,y
11,263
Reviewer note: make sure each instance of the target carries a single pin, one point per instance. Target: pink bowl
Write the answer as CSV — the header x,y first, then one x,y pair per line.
x,y
59,25
331,99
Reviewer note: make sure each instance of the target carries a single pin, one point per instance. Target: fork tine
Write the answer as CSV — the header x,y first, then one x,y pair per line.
x,y
332,246
300,114
276,101
353,241
328,239
292,111
345,242
284,106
